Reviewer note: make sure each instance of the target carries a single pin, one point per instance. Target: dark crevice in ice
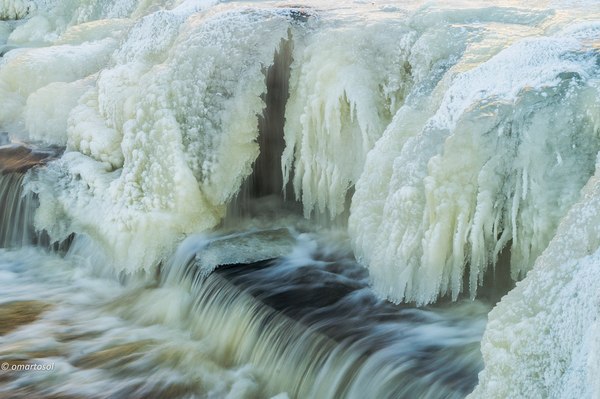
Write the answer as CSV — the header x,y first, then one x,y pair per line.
x,y
266,179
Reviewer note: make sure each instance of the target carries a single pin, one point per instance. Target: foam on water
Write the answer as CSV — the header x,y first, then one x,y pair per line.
x,y
237,333
98,347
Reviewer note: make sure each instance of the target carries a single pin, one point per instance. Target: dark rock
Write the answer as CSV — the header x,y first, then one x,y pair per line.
x,y
16,158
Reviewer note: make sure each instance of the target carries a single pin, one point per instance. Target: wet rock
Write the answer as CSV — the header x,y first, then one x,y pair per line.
x,y
17,314
16,158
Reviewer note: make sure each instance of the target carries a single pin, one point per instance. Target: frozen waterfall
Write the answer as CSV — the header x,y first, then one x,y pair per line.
x,y
164,143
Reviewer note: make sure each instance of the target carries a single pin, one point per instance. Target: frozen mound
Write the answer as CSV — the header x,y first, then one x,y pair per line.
x,y
495,168
160,141
542,339
39,86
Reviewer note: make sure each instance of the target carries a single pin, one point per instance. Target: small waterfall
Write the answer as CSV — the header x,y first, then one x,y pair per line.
x,y
312,327
17,206
16,212
296,201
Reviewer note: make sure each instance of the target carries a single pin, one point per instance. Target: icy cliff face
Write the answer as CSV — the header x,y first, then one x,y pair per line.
x,y
497,165
543,336
459,142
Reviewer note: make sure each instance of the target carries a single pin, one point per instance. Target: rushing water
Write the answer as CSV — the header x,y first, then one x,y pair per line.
x,y
305,325
251,199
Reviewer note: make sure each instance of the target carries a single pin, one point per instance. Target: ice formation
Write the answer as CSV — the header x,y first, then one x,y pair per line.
x,y
149,137
343,93
15,9
496,167
543,336
453,155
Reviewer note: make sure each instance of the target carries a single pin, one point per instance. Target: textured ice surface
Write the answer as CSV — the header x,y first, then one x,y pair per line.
x,y
543,336
347,83
453,139
163,139
497,165
15,9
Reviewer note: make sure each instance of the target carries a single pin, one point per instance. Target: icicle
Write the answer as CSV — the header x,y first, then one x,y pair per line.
x,y
439,192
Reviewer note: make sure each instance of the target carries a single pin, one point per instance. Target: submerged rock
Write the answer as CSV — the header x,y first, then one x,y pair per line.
x,y
16,314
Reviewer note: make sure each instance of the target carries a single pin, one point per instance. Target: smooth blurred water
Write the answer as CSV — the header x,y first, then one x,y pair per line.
x,y
305,324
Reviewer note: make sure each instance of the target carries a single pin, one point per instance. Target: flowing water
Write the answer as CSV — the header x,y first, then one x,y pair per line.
x,y
325,199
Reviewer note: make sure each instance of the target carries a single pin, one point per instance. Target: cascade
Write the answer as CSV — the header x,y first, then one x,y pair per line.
x,y
18,205
295,317
281,326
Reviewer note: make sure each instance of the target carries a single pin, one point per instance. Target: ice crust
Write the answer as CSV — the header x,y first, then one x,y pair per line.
x,y
495,167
